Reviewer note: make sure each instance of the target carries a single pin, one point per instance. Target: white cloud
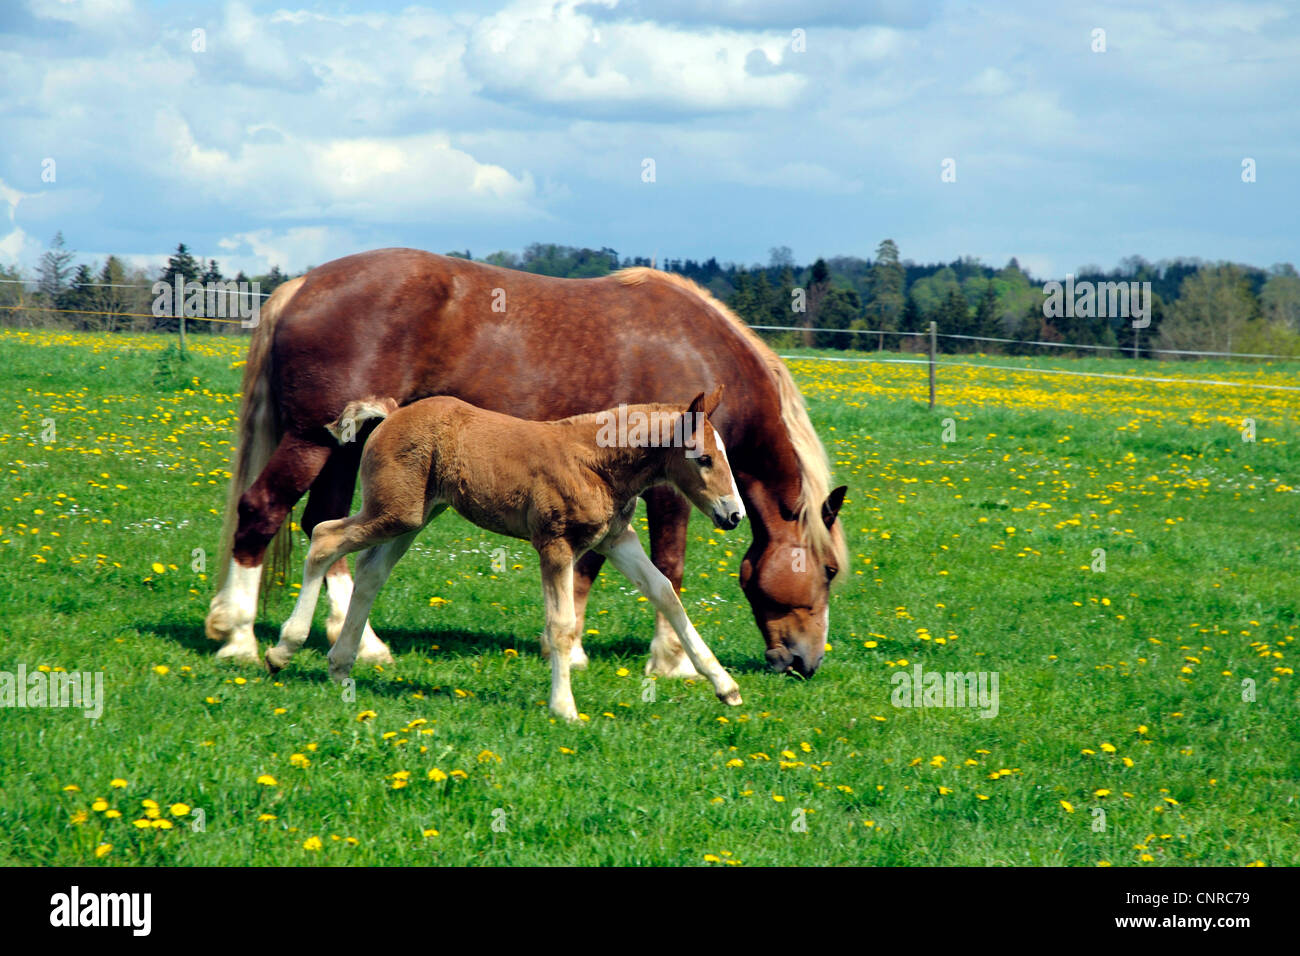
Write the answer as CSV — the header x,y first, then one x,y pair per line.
x,y
372,179
546,51
291,249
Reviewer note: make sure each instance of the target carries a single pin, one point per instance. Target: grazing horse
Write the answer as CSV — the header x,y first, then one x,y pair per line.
x,y
567,487
408,325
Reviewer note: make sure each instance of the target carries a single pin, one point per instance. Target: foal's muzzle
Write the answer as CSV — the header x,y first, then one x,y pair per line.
x,y
727,513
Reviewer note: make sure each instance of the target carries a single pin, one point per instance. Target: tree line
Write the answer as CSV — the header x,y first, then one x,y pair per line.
x,y
841,302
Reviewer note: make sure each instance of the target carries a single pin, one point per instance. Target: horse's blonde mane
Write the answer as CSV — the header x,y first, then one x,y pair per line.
x,y
814,466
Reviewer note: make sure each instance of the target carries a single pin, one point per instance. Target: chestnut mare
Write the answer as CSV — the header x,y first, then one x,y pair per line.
x,y
567,487
406,324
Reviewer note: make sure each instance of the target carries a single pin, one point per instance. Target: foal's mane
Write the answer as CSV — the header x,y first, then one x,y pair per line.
x,y
814,466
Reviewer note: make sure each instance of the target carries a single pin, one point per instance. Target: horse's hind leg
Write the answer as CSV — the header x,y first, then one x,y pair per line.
x,y
331,498
262,509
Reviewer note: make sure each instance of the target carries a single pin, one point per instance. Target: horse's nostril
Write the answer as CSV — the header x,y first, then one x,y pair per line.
x,y
734,518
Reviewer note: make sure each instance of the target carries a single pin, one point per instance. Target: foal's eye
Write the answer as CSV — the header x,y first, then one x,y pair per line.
x,y
706,461
831,572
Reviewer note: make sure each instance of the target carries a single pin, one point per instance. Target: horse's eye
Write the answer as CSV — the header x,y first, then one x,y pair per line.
x,y
831,572
706,461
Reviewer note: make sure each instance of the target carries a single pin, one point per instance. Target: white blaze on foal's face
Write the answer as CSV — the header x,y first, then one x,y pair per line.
x,y
703,474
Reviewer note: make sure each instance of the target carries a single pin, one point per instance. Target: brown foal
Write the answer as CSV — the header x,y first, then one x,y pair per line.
x,y
567,486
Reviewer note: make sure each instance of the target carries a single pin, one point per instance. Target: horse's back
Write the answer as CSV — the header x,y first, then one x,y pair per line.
x,y
409,324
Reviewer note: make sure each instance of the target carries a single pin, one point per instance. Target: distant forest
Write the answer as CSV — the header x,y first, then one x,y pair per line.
x,y
832,303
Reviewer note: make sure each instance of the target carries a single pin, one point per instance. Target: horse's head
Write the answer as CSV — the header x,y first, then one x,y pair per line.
x,y
787,574
697,465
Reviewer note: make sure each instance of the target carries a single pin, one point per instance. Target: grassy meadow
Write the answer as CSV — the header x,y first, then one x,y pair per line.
x,y
1147,713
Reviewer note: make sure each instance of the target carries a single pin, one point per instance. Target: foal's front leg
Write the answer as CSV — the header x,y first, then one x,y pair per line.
x,y
630,558
557,595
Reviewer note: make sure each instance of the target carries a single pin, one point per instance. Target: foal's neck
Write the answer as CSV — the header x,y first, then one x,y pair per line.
x,y
628,469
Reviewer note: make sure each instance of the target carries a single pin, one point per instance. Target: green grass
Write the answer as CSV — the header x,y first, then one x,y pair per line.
x,y
1201,556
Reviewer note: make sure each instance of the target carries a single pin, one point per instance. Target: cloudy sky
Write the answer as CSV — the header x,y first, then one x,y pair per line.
x,y
292,133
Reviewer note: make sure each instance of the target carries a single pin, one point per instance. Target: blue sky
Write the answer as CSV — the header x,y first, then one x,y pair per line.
x,y
305,131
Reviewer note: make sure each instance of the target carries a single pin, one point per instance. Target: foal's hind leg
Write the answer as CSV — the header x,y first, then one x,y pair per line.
x,y
326,547
557,595
629,557
331,498
262,509
373,567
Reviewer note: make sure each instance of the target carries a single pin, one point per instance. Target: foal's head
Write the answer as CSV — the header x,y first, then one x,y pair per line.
x,y
697,464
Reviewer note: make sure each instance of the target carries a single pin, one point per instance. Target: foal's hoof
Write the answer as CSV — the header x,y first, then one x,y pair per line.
x,y
731,698
275,662
338,673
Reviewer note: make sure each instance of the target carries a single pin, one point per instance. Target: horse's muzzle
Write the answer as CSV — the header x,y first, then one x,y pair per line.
x,y
782,660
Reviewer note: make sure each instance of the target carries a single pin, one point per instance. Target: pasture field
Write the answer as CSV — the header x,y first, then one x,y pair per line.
x,y
1146,713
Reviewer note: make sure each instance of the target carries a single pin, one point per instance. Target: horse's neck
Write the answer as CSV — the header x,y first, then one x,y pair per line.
x,y
767,473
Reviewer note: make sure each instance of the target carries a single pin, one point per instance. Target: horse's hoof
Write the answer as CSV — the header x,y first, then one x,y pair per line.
x,y
731,698
682,669
380,656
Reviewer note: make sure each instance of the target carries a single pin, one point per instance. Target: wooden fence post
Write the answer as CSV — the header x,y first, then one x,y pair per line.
x,y
933,340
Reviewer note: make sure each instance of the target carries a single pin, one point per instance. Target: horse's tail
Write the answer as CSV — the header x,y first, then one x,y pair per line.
x,y
357,413
259,432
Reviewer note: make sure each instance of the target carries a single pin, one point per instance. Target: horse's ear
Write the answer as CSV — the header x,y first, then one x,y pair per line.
x,y
711,403
697,405
831,506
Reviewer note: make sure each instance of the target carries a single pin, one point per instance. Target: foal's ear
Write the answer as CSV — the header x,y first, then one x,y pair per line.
x,y
705,405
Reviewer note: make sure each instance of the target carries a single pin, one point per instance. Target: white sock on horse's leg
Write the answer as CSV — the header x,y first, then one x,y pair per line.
x,y
338,585
232,612
667,656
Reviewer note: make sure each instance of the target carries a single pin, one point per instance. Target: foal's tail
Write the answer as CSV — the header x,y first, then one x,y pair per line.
x,y
259,431
357,413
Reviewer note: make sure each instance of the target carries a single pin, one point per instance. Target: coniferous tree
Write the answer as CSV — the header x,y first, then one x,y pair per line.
x,y
987,322
55,270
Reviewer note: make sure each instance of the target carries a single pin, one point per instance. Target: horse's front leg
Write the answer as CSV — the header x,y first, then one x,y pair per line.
x,y
557,595
630,558
668,515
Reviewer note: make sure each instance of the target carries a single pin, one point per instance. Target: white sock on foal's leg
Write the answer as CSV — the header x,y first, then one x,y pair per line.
x,y
373,567
338,585
232,612
295,630
630,558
